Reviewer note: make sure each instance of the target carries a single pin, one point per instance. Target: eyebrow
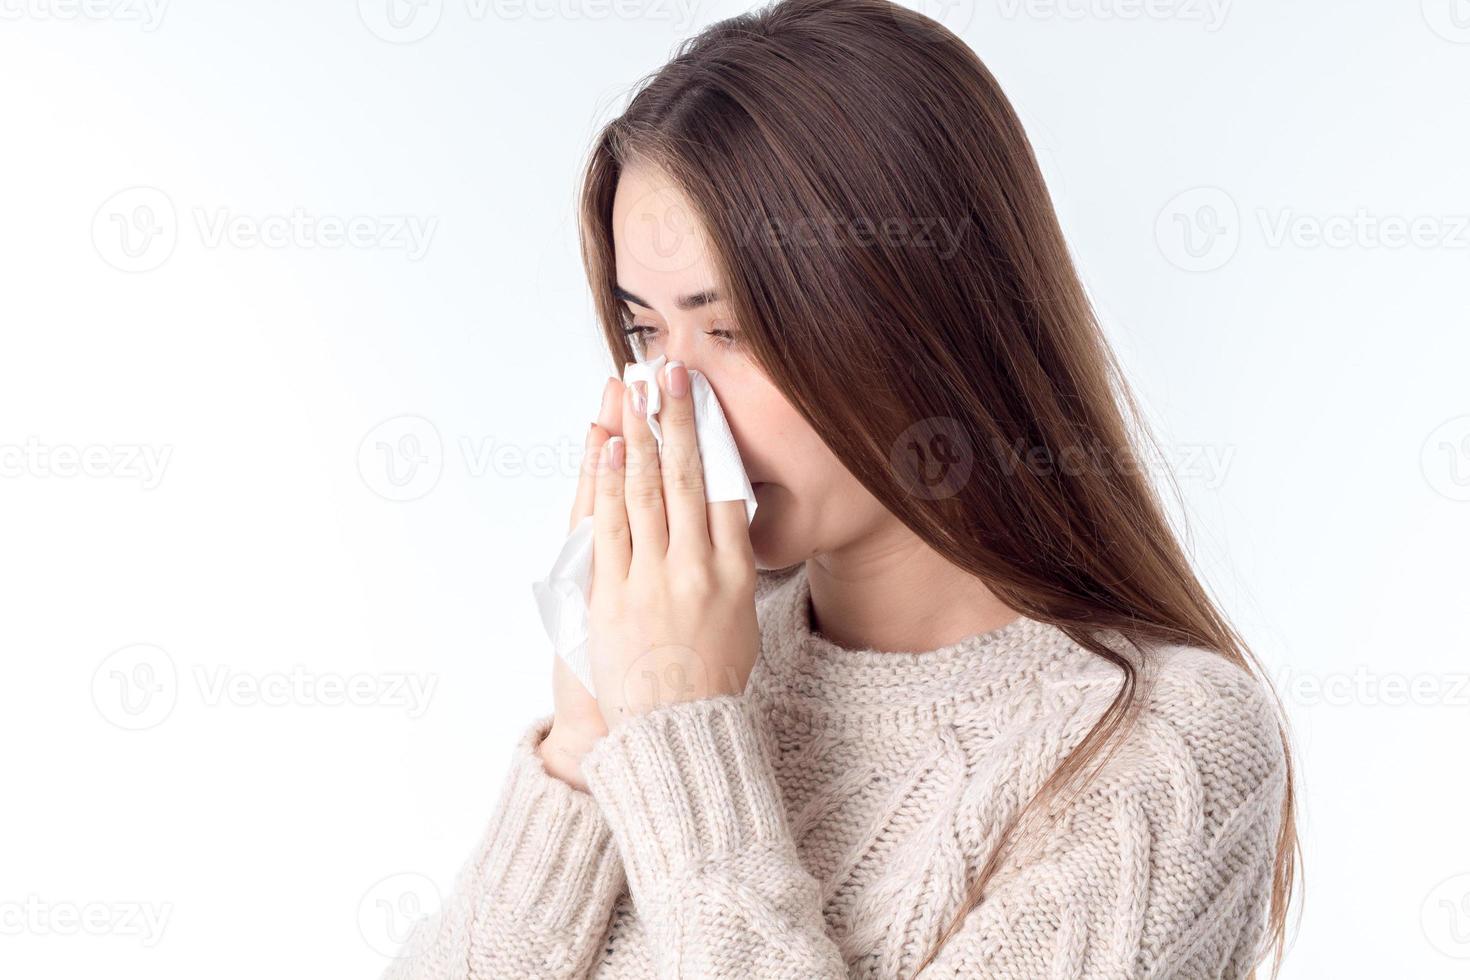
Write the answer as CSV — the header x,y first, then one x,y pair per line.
x,y
691,302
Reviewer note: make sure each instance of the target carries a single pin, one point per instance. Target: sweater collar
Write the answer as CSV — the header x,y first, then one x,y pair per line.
x,y
800,665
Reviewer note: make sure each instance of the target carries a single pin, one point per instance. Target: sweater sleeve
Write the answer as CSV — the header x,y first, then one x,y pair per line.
x,y
693,804
535,898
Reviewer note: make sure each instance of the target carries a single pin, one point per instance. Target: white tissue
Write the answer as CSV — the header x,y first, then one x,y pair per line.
x,y
562,595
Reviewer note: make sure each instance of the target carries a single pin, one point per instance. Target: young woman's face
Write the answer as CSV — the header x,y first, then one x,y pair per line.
x,y
808,502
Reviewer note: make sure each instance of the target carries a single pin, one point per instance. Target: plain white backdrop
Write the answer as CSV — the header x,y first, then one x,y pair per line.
x,y
296,357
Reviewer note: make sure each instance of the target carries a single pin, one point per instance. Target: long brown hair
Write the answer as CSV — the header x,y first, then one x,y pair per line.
x,y
889,250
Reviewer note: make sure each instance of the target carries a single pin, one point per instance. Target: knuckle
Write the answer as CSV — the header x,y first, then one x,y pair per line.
x,y
690,481
645,494
643,466
677,412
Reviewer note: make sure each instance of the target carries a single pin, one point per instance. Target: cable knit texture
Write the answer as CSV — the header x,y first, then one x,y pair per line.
x,y
826,824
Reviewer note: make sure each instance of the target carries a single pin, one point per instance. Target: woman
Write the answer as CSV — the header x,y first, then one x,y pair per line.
x,y
954,704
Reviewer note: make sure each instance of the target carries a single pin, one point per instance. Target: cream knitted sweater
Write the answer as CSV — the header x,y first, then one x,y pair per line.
x,y
824,824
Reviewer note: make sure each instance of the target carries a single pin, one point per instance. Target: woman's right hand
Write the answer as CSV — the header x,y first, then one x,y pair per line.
x,y
577,721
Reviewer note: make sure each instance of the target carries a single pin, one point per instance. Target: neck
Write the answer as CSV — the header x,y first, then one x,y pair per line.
x,y
892,592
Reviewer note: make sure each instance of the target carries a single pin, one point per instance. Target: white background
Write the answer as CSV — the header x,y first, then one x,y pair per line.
x,y
195,482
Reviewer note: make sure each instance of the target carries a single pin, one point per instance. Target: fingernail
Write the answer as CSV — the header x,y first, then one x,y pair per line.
x,y
615,452
676,381
639,398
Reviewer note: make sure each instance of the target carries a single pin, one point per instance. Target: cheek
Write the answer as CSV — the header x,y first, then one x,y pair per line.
x,y
776,443
760,422
801,460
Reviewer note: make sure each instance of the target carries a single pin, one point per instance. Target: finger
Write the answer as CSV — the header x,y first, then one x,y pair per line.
x,y
683,472
643,487
587,475
729,530
611,544
610,414
596,436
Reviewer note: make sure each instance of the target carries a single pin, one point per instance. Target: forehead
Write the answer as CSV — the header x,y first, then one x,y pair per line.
x,y
661,249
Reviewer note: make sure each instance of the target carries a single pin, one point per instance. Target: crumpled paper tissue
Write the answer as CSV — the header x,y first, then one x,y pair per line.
x,y
562,595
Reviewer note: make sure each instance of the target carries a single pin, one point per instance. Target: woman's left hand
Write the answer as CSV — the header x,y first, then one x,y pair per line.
x,y
672,605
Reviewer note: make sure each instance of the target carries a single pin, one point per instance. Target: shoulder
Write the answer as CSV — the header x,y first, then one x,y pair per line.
x,y
1205,759
1228,720
1162,865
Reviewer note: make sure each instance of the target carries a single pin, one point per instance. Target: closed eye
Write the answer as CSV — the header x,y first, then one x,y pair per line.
x,y
643,332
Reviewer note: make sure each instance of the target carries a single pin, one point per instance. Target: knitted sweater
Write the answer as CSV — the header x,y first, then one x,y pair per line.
x,y
825,824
